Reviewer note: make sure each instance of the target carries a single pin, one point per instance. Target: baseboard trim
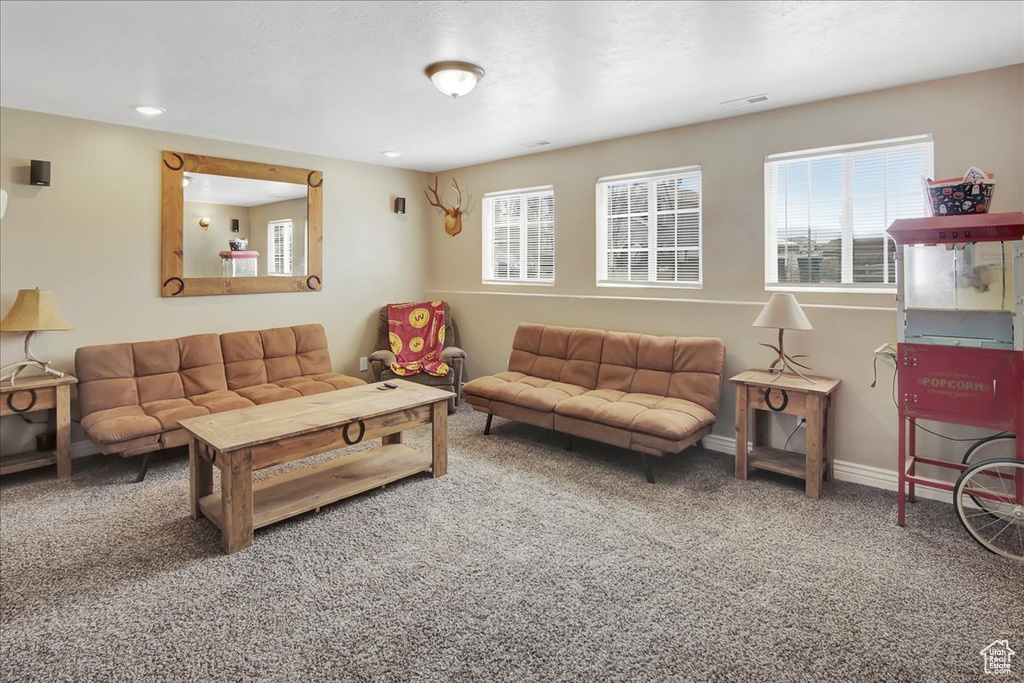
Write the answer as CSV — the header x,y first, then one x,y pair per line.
x,y
844,471
82,449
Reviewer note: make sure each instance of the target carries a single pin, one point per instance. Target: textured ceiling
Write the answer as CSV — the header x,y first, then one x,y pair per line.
x,y
345,79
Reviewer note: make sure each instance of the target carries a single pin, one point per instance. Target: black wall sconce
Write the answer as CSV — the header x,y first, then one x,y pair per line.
x,y
40,174
399,204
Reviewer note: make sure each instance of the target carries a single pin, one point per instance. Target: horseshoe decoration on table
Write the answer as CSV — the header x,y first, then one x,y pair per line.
x,y
768,400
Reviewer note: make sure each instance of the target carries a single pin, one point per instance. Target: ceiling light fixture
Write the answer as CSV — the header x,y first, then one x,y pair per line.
x,y
391,154
186,180
149,110
454,78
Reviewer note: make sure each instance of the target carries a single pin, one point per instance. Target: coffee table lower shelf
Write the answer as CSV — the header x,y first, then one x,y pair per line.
x,y
299,491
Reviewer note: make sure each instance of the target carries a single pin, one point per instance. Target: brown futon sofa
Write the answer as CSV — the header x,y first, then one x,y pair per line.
x,y
654,395
131,396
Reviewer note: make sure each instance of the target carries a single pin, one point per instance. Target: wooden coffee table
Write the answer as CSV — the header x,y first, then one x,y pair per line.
x,y
239,442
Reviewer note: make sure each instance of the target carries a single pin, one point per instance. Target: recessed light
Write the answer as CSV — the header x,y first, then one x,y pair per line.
x,y
149,110
391,154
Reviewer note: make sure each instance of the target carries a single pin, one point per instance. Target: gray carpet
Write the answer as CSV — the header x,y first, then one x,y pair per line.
x,y
526,562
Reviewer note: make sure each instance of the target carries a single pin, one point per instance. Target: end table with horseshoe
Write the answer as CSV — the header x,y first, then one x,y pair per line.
x,y
32,394
760,393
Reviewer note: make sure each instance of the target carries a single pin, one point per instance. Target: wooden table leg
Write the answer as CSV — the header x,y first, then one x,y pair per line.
x,y
63,431
815,446
200,474
236,500
760,427
741,431
830,435
439,414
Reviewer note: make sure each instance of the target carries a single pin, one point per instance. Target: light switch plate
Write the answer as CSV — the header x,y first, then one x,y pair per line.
x,y
363,364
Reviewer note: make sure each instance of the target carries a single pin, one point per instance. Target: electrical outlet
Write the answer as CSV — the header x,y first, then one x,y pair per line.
x,y
364,365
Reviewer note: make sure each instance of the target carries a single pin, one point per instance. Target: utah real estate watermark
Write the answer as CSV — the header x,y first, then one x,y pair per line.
x,y
997,657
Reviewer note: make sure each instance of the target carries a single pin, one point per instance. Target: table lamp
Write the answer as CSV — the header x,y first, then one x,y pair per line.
x,y
783,311
33,311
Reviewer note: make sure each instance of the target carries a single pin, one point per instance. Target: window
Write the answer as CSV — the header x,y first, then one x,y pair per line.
x,y
827,210
649,228
279,245
519,236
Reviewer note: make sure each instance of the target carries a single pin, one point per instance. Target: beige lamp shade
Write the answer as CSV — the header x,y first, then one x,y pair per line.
x,y
783,311
34,310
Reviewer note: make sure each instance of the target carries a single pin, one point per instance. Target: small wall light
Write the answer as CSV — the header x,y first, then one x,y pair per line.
x,y
399,204
204,222
40,174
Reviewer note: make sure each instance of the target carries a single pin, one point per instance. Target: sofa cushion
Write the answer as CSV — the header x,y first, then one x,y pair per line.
x,y
665,417
560,354
202,364
267,393
121,424
305,385
519,389
336,380
169,411
219,401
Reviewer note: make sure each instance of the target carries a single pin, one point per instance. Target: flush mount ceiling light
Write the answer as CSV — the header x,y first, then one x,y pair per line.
x,y
391,153
454,78
186,180
149,110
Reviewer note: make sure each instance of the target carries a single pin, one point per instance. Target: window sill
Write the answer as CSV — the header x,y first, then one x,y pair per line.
x,y
652,285
528,283
832,289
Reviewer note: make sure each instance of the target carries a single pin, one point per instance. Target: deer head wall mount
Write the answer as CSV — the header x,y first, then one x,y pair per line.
x,y
453,213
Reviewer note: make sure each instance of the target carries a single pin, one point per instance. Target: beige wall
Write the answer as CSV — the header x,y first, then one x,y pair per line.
x,y
202,247
93,238
976,119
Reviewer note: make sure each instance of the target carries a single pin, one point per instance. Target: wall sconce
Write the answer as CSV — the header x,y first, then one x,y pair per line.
x,y
40,174
399,204
204,222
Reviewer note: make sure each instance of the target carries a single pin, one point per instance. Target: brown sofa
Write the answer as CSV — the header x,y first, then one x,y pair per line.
x,y
654,395
131,396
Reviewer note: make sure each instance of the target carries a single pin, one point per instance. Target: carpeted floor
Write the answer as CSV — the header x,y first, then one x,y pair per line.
x,y
525,563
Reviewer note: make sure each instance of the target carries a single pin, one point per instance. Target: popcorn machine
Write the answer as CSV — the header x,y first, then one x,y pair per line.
x,y
960,356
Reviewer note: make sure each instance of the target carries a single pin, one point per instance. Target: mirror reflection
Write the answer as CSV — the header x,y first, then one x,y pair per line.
x,y
240,227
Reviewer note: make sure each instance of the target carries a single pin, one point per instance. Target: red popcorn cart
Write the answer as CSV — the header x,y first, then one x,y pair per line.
x,y
960,360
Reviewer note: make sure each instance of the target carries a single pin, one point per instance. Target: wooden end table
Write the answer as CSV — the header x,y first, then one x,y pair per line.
x,y
31,394
762,392
238,442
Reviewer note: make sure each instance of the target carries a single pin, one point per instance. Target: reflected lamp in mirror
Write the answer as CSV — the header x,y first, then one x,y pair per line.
x,y
784,313
33,311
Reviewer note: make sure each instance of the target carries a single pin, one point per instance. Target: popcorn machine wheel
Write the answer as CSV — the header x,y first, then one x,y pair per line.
x,y
960,360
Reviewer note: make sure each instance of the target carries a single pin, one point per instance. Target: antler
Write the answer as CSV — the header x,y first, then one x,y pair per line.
x,y
458,203
436,201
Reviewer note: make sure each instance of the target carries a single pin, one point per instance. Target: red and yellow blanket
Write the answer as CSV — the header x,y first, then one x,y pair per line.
x,y
416,335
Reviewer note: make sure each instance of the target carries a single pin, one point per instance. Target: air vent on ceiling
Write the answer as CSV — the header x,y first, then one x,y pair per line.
x,y
745,101
537,143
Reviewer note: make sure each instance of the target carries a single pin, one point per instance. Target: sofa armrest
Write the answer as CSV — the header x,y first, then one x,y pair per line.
x,y
380,360
450,353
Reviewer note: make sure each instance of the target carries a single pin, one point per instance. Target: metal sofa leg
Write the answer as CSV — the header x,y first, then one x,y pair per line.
x,y
144,467
487,427
647,468
568,442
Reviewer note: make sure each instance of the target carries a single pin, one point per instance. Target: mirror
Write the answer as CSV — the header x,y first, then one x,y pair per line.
x,y
239,227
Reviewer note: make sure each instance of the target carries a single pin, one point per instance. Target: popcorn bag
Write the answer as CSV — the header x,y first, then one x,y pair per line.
x,y
955,197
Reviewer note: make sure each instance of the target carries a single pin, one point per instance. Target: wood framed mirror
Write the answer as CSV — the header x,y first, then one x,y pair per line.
x,y
239,227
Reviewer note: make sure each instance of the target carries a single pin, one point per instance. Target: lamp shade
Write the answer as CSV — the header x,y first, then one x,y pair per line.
x,y
454,78
783,311
34,310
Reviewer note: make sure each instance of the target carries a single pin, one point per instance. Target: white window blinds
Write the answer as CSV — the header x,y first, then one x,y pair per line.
x,y
649,228
519,236
827,210
279,246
